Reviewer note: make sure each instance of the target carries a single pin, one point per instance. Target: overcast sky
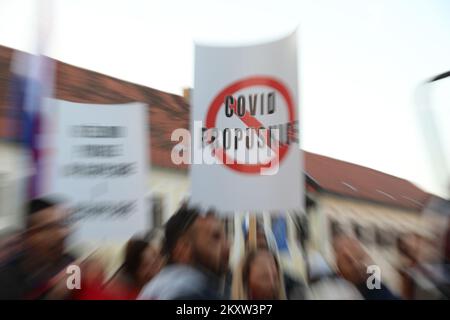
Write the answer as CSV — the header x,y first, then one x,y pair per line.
x,y
360,61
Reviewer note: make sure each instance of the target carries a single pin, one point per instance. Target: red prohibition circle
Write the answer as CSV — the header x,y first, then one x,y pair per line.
x,y
215,106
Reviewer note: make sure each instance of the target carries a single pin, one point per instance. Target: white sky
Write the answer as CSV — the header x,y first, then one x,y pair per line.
x,y
360,61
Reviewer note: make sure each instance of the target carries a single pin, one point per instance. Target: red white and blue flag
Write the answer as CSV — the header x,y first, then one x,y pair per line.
x,y
31,82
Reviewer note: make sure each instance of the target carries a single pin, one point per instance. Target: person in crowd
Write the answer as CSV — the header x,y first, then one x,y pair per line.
x,y
143,260
264,240
259,277
226,277
295,288
93,276
325,284
30,274
352,262
197,251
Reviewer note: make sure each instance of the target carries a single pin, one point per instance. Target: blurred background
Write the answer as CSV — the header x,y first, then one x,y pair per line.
x,y
374,114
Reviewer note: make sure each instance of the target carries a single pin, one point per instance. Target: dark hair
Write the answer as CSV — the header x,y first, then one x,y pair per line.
x,y
177,226
133,256
38,204
259,231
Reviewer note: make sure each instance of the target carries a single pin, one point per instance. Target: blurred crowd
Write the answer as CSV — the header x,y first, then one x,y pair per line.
x,y
188,258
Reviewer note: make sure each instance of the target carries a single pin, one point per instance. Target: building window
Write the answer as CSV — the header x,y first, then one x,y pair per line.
x,y
157,212
357,229
362,233
384,238
302,228
336,228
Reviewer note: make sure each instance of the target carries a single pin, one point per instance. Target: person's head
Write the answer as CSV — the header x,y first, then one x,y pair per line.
x,y
261,276
46,228
351,259
261,238
142,261
195,239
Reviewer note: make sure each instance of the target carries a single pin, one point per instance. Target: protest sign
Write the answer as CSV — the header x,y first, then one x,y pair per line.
x,y
245,125
99,164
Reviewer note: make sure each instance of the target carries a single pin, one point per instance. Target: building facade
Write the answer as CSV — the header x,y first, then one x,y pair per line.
x,y
374,207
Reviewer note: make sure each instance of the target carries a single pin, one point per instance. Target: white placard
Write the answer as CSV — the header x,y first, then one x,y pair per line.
x,y
99,164
243,88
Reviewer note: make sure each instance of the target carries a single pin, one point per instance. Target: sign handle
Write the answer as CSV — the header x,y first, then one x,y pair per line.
x,y
252,232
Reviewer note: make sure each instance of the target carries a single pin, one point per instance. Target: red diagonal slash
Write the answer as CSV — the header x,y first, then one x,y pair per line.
x,y
248,119
251,122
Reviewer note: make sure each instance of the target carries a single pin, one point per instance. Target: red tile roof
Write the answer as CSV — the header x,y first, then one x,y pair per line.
x,y
168,112
352,180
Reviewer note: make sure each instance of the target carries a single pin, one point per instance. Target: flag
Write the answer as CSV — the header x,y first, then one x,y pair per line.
x,y
31,82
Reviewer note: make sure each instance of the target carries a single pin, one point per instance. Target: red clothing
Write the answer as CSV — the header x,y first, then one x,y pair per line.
x,y
123,291
92,291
